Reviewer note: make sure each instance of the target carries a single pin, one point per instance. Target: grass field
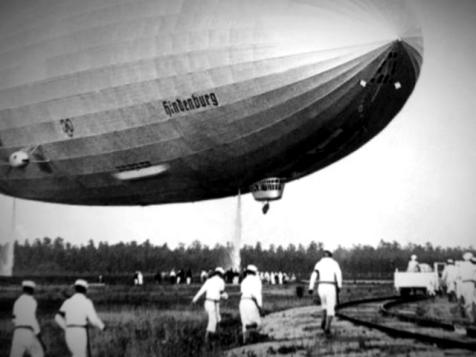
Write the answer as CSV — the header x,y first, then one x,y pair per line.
x,y
155,320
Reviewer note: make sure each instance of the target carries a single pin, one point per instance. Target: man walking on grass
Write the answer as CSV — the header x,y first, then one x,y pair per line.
x,y
329,279
214,290
74,317
26,337
467,274
251,302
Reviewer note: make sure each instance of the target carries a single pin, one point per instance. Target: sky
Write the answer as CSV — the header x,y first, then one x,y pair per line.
x,y
414,182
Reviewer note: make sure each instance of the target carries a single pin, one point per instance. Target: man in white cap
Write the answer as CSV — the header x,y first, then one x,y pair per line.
x,y
329,284
467,276
75,316
26,336
214,290
449,276
413,265
251,301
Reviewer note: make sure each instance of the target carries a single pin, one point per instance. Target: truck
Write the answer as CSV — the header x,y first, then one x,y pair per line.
x,y
426,281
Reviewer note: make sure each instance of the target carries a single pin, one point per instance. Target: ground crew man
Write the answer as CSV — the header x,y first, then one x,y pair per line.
x,y
467,275
26,336
329,285
413,265
74,317
188,276
214,290
473,261
459,291
449,276
251,302
173,276
140,278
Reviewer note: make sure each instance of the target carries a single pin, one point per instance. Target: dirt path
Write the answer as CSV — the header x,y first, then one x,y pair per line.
x,y
297,332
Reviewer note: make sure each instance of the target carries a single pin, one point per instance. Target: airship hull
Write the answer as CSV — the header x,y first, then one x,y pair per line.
x,y
124,102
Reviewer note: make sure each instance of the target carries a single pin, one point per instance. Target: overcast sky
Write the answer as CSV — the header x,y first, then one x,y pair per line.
x,y
414,182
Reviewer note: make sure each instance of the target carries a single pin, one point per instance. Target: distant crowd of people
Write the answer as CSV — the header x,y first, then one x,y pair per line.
x,y
231,276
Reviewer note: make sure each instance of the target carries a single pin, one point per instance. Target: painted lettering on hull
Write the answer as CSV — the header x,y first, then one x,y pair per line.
x,y
194,102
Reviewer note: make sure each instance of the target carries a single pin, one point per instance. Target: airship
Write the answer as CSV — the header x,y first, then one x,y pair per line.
x,y
137,102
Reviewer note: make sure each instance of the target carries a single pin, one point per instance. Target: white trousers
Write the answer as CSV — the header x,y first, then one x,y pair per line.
x,y
450,286
213,310
24,340
327,294
467,289
459,289
249,313
77,341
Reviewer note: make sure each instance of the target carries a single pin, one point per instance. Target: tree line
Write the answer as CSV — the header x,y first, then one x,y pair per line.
x,y
58,257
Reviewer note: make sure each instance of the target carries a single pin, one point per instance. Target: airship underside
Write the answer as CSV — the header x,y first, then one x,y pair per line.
x,y
142,102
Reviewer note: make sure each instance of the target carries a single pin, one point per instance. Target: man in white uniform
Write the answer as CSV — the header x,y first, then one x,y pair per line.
x,y
214,290
267,277
467,275
26,336
473,261
251,301
413,266
140,278
329,284
449,276
74,317
203,276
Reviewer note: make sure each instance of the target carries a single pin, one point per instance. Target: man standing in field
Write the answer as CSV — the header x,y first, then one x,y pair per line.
x,y
188,276
74,317
26,336
449,276
413,265
251,301
328,272
467,276
473,317
214,290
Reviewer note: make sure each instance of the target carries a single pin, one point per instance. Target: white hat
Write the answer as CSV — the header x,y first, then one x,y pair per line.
x,y
467,255
28,284
219,270
413,257
81,282
252,268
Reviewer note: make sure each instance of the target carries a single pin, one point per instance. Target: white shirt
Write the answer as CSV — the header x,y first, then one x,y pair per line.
x,y
251,288
24,312
467,271
413,266
329,272
450,273
213,288
78,311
